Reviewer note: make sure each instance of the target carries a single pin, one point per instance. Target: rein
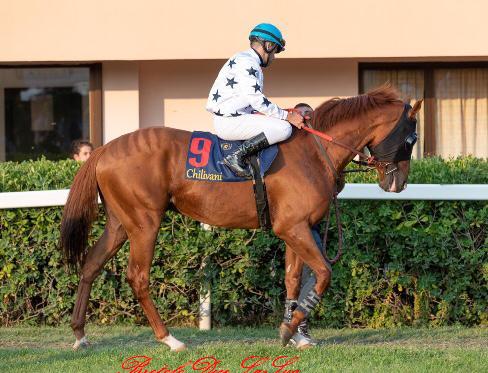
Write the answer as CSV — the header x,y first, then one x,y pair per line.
x,y
334,196
369,160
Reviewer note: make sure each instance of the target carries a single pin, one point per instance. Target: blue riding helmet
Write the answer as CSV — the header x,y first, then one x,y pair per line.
x,y
269,32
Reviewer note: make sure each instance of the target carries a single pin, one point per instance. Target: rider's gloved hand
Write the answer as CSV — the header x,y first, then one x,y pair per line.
x,y
295,118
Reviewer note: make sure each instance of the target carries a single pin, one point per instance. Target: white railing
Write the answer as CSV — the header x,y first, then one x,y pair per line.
x,y
477,192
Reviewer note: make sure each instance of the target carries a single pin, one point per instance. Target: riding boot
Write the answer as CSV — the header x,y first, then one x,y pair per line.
x,y
236,160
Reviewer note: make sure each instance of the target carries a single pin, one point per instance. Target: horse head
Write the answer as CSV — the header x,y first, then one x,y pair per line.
x,y
392,144
378,120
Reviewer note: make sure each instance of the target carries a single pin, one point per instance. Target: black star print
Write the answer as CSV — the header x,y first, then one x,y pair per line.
x,y
231,82
266,102
256,87
253,72
232,62
236,114
216,96
218,113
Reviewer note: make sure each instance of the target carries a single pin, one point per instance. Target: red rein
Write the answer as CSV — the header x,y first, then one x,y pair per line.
x,y
369,159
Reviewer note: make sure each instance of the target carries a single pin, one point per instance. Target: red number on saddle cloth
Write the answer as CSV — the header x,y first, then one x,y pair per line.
x,y
200,147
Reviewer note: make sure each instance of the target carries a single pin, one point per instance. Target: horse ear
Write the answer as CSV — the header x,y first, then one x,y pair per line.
x,y
413,111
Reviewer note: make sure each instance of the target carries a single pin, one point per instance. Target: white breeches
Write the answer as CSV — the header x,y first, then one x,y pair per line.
x,y
246,126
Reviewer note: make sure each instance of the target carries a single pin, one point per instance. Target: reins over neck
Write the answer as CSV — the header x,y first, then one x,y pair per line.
x,y
335,193
368,160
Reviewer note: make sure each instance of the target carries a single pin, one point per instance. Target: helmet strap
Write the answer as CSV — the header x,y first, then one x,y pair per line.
x,y
261,61
268,52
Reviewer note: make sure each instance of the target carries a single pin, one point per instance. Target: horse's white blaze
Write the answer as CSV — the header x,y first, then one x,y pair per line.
x,y
83,342
173,343
393,186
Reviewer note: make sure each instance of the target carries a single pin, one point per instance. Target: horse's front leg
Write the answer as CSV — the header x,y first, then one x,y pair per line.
x,y
293,273
299,280
299,239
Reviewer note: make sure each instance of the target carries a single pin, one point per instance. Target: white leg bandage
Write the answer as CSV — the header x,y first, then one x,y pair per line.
x,y
83,342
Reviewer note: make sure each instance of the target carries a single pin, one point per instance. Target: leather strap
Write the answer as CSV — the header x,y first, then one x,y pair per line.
x,y
260,194
324,153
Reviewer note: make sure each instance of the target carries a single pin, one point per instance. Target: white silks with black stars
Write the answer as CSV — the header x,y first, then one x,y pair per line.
x,y
238,89
237,94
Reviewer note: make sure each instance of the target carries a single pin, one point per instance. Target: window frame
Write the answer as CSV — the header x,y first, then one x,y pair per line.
x,y
94,95
429,91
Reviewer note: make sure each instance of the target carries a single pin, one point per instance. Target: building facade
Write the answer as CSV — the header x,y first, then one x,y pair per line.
x,y
99,69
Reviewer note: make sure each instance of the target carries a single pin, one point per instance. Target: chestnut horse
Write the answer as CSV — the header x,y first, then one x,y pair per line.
x,y
140,175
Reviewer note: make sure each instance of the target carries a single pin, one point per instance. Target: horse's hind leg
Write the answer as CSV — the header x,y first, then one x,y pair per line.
x,y
109,243
299,238
142,239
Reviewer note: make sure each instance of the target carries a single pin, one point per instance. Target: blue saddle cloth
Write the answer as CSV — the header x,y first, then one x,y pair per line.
x,y
206,152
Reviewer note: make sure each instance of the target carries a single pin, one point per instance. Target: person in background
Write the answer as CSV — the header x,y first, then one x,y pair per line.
x,y
81,150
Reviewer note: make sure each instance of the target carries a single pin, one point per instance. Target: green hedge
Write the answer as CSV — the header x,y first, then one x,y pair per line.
x,y
405,263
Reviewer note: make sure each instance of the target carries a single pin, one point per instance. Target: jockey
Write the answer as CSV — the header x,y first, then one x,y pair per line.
x,y
237,94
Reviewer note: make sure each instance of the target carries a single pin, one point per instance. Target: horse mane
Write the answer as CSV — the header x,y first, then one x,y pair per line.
x,y
340,109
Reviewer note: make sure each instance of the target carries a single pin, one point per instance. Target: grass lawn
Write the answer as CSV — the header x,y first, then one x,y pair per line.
x,y
44,349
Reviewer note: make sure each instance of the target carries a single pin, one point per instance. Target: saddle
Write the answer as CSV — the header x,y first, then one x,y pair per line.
x,y
205,156
204,162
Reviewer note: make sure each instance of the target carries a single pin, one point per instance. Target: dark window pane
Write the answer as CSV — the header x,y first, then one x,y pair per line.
x,y
45,110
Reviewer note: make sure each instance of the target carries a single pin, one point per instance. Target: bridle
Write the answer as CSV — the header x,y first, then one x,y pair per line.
x,y
396,146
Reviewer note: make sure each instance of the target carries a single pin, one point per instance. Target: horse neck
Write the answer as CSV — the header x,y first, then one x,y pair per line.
x,y
354,133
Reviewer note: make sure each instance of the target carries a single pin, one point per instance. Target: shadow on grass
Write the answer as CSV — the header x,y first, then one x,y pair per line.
x,y
192,337
136,337
407,336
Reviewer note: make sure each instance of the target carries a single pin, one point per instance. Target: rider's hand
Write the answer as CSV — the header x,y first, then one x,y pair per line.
x,y
294,118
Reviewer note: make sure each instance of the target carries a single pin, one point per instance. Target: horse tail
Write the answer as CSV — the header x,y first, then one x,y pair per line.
x,y
79,212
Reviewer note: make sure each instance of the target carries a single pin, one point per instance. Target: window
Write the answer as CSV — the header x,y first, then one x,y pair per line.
x,y
454,116
43,109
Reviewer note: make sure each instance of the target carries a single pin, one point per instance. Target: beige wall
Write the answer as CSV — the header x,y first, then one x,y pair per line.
x,y
94,30
174,93
120,84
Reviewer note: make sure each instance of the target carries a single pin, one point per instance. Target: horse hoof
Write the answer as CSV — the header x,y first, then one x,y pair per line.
x,y
180,348
301,343
173,344
304,347
81,343
285,333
